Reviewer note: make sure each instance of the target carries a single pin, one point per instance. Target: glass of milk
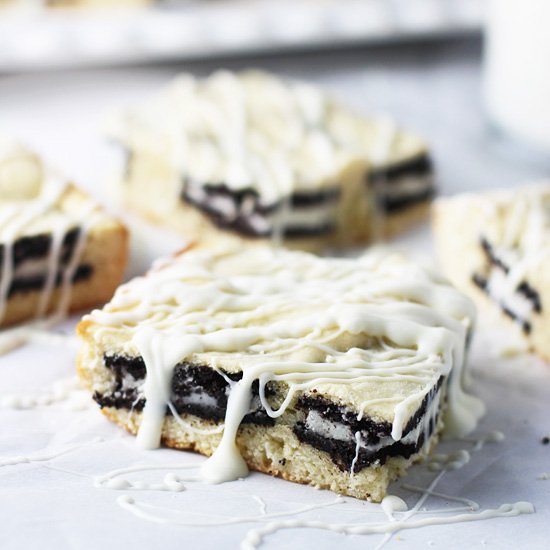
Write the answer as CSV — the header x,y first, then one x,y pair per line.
x,y
517,68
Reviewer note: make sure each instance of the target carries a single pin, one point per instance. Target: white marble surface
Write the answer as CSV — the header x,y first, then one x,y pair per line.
x,y
53,504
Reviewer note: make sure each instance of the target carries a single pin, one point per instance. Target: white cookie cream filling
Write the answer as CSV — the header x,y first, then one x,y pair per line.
x,y
407,186
327,428
376,333
200,398
303,217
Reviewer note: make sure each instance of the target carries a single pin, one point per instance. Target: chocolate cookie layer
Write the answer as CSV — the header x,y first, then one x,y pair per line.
x,y
197,390
420,165
203,392
37,247
242,210
386,181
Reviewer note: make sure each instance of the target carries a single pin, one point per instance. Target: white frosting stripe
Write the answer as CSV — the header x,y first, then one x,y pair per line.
x,y
20,215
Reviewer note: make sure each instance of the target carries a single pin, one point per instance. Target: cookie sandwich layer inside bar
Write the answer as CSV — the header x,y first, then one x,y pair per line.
x,y
58,250
250,156
502,256
334,372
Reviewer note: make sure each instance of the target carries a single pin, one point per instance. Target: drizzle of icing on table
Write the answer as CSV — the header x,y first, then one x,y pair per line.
x,y
255,536
270,522
147,512
450,461
38,331
391,504
42,456
15,217
399,517
171,482
66,391
13,220
494,436
470,504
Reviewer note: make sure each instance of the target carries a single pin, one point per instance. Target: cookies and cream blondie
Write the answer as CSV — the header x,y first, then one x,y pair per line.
x,y
338,373
250,156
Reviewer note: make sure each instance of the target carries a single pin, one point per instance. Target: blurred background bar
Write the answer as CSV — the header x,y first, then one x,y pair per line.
x,y
37,35
425,63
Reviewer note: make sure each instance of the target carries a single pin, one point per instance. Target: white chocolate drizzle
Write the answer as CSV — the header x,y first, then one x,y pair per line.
x,y
279,315
521,227
171,481
470,504
255,536
43,456
66,392
479,442
155,514
14,219
399,516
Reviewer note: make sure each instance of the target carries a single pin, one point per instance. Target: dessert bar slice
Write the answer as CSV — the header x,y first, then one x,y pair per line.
x,y
495,246
250,156
331,372
59,251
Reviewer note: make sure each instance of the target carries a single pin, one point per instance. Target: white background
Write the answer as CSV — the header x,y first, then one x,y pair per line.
x,y
433,89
